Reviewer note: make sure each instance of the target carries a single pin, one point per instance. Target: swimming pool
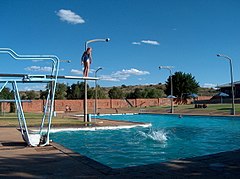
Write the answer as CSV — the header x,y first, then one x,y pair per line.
x,y
169,137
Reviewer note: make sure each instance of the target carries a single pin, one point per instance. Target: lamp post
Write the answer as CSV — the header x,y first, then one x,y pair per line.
x,y
95,104
171,96
96,40
232,85
85,81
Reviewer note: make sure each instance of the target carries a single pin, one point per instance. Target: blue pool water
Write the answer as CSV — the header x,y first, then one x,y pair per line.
x,y
169,137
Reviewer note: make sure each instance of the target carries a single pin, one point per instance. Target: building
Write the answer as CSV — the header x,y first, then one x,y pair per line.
x,y
227,88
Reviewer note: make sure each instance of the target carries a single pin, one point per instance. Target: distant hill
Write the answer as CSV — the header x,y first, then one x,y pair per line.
x,y
125,89
207,91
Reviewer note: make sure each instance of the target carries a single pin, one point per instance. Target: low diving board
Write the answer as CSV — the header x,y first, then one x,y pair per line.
x,y
27,77
13,101
40,137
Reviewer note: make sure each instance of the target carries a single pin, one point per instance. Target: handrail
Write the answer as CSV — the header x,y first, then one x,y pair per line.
x,y
16,56
27,57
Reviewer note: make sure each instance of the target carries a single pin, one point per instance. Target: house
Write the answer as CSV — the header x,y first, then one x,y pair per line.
x,y
227,88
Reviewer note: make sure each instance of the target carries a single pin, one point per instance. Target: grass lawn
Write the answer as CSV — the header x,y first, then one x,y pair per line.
x,y
217,109
212,109
34,120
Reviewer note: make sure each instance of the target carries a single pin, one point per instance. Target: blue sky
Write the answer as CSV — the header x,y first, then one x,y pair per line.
x,y
145,34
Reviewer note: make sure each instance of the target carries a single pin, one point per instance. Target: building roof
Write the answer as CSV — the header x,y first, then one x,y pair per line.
x,y
228,84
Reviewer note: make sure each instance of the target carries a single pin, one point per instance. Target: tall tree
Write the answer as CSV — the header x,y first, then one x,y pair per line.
x,y
31,94
183,83
137,93
43,94
100,93
61,91
116,93
91,93
153,93
76,91
7,94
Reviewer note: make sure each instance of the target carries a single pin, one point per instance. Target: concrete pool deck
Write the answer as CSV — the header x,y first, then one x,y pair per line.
x,y
54,161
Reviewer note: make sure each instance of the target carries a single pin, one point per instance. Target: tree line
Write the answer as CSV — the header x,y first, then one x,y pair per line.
x,y
183,84
6,93
76,91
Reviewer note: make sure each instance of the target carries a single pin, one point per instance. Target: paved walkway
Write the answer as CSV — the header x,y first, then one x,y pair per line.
x,y
20,161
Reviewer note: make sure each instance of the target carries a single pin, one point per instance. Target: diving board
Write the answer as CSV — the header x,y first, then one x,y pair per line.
x,y
12,100
41,136
27,77
77,78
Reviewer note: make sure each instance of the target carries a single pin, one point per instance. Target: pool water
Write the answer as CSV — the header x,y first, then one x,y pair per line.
x,y
169,137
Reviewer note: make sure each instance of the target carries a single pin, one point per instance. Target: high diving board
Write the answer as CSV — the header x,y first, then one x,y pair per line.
x,y
77,78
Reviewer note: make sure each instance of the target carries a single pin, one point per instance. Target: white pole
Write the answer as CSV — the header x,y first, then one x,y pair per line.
x,y
232,85
171,83
96,88
85,81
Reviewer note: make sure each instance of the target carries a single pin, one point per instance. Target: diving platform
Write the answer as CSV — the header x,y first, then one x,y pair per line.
x,y
41,136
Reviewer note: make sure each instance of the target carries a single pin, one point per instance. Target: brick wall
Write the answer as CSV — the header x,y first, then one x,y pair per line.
x,y
34,106
77,105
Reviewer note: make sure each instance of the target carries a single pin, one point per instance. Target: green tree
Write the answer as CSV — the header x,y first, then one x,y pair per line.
x,y
115,93
100,93
6,93
76,91
43,94
137,93
153,93
61,91
123,86
183,83
23,96
30,94
91,93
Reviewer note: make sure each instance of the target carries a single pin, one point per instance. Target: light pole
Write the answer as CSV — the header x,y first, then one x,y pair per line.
x,y
171,96
96,40
95,106
85,81
232,85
